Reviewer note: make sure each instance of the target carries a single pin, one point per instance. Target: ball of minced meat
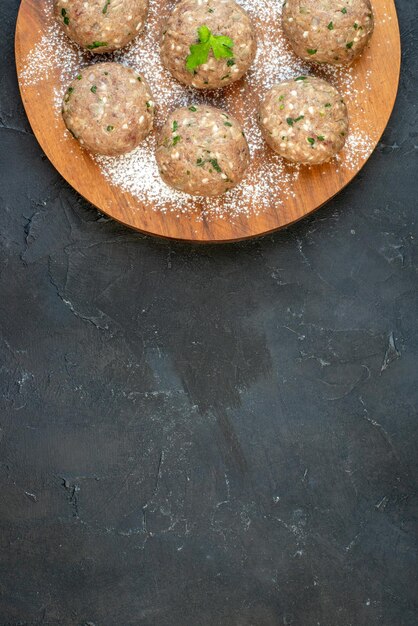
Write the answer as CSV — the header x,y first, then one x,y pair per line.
x,y
328,31
101,25
202,150
109,108
208,43
304,120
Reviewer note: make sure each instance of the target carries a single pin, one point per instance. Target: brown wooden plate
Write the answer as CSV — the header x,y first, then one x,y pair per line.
x,y
369,87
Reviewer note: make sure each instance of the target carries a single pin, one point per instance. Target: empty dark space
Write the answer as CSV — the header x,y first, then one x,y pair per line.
x,y
216,435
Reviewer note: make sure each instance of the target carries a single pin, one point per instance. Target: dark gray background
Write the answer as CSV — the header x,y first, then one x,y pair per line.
x,y
200,436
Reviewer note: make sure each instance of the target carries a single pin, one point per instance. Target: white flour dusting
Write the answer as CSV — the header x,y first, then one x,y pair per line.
x,y
265,185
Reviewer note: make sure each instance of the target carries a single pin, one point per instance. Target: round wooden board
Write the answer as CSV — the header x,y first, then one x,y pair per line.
x,y
375,75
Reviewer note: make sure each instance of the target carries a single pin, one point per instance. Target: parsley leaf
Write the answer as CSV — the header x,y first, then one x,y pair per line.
x,y
199,52
97,44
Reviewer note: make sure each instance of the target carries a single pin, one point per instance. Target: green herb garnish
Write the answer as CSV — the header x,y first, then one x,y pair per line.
x,y
349,45
215,165
192,109
110,128
104,10
296,79
93,89
97,44
311,50
330,26
293,120
344,10
199,52
228,124
65,17
311,140
176,139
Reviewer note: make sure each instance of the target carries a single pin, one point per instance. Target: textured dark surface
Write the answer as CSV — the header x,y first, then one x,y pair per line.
x,y
215,435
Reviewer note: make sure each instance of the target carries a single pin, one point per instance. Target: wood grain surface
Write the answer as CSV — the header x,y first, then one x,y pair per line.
x,y
376,75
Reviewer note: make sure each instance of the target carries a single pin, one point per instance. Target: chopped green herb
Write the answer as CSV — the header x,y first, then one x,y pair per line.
x,y
176,139
328,105
344,10
330,26
79,77
110,128
281,97
226,76
355,26
296,79
291,120
230,62
104,10
93,89
215,165
281,107
70,89
175,126
192,109
320,137
311,140
139,79
97,44
211,10
311,50
349,44
65,17
199,53
148,104
228,124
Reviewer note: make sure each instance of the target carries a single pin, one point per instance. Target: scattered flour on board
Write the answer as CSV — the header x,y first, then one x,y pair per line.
x,y
265,185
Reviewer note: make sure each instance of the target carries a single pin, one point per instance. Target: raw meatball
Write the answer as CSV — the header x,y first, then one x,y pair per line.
x,y
328,31
304,120
202,150
101,25
109,108
222,60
